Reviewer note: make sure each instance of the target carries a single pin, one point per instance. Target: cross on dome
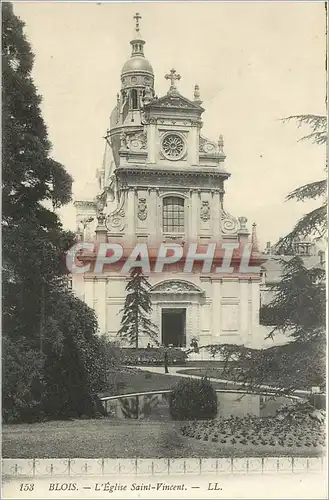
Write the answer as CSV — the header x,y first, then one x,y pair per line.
x,y
137,16
172,76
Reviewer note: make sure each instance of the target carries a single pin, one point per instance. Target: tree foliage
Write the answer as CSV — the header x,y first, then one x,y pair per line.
x,y
22,381
33,237
298,306
317,123
74,371
49,336
136,320
30,175
299,364
313,223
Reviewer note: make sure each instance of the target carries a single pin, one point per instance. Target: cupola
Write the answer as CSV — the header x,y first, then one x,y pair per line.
x,y
137,77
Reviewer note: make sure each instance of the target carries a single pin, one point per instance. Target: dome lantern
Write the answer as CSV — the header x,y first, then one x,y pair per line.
x,y
137,77
137,42
137,61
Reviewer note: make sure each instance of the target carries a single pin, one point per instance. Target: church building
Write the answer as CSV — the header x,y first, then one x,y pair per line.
x,y
162,181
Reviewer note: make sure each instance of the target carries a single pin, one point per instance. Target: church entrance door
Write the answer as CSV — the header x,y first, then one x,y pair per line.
x,y
173,327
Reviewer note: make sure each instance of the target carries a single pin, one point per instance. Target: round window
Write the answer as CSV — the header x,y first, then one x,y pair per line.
x,y
173,146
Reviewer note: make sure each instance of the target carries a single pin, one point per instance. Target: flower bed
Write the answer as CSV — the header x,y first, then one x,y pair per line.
x,y
251,432
152,356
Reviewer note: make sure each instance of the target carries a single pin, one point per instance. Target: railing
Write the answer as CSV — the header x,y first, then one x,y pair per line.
x,y
112,467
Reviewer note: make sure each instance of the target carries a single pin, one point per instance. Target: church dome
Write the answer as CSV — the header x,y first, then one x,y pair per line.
x,y
137,63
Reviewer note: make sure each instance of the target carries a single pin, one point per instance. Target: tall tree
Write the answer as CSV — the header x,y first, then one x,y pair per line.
x,y
33,238
298,306
42,323
313,223
136,320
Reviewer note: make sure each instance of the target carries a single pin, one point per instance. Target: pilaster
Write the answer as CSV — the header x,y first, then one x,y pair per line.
x,y
131,208
89,292
151,142
255,305
244,299
153,216
216,310
216,215
194,213
193,150
100,285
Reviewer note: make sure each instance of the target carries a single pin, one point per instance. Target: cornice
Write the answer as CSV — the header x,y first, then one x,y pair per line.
x,y
161,172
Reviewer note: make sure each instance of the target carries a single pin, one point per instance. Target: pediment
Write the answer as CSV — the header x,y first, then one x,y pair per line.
x,y
176,287
174,101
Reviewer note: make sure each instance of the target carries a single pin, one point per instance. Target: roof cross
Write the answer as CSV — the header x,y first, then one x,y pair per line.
x,y
172,76
137,17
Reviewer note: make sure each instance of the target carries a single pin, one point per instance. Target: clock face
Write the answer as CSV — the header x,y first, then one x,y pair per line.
x,y
173,146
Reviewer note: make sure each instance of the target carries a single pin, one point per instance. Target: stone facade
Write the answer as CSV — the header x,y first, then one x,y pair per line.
x,y
162,181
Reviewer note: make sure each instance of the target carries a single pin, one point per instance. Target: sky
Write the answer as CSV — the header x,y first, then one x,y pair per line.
x,y
255,63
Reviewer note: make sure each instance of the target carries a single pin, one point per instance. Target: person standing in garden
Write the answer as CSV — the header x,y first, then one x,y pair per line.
x,y
166,360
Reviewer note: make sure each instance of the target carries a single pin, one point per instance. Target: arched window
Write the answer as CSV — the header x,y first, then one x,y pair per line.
x,y
173,215
134,99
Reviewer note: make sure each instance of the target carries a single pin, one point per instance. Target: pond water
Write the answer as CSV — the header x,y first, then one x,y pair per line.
x,y
156,406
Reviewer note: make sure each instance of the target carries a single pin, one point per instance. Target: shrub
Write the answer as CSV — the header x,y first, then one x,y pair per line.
x,y
193,399
23,382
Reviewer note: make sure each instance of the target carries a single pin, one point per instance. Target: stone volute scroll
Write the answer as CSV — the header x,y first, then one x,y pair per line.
x,y
230,224
137,142
115,221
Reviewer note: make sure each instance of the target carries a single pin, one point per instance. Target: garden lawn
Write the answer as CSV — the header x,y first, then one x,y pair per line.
x,y
99,438
121,439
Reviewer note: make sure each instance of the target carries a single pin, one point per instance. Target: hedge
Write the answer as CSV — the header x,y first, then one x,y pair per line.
x,y
152,356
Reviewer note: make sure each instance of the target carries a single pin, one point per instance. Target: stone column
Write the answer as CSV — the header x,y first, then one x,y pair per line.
x,y
194,213
216,216
216,310
153,227
89,292
131,202
244,311
190,319
101,303
156,318
255,304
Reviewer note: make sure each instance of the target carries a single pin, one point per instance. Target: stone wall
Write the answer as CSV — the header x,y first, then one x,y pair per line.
x,y
218,310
